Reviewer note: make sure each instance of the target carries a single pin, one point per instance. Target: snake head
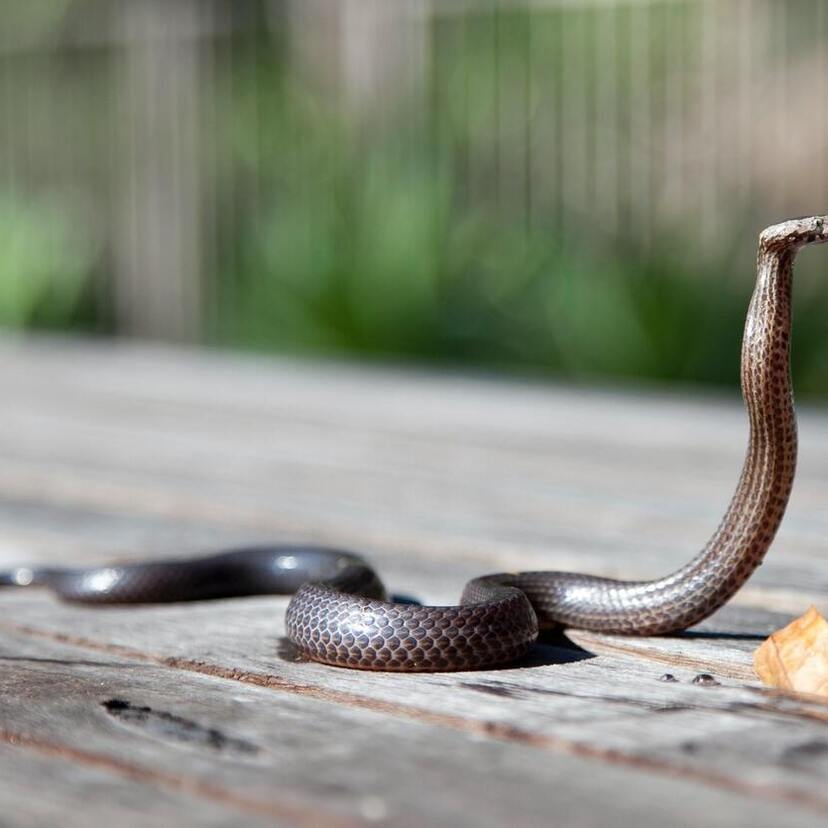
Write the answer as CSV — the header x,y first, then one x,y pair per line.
x,y
794,233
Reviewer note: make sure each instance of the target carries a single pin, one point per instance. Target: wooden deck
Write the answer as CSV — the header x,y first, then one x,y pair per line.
x,y
200,714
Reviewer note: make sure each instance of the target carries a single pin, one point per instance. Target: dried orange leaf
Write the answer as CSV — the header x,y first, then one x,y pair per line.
x,y
796,657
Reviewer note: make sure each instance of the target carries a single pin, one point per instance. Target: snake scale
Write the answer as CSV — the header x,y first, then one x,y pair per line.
x,y
339,615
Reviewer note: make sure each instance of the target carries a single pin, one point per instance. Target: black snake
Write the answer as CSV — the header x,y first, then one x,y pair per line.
x,y
338,614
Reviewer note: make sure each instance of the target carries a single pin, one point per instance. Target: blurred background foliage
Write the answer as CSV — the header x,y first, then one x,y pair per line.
x,y
566,188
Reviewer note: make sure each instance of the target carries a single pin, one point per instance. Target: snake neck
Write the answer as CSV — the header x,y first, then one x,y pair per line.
x,y
758,504
755,512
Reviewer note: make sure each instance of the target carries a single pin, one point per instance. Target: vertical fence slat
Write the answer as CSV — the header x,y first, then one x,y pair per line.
x,y
157,264
747,38
640,174
574,114
607,111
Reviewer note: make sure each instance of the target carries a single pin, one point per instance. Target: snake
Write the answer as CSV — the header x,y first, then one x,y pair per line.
x,y
339,613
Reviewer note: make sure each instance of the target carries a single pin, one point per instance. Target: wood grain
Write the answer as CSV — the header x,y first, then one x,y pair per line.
x,y
45,784
515,476
134,452
320,761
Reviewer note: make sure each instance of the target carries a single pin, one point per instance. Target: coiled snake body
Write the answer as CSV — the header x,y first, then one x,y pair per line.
x,y
338,614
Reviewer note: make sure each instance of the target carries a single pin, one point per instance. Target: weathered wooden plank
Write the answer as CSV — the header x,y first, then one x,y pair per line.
x,y
308,761
514,476
722,644
32,533
163,384
40,534
141,452
610,709
46,783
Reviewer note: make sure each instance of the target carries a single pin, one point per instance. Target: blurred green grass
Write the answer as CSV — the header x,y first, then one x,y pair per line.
x,y
372,248
46,265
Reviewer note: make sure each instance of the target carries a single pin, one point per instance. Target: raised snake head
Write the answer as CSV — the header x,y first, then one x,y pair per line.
x,y
794,233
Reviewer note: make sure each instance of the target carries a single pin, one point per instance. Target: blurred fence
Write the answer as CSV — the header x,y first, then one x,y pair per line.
x,y
179,163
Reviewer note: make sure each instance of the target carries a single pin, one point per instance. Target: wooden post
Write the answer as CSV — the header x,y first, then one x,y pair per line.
x,y
157,260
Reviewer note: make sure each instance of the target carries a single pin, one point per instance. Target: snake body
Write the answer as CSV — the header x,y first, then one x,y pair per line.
x,y
339,615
